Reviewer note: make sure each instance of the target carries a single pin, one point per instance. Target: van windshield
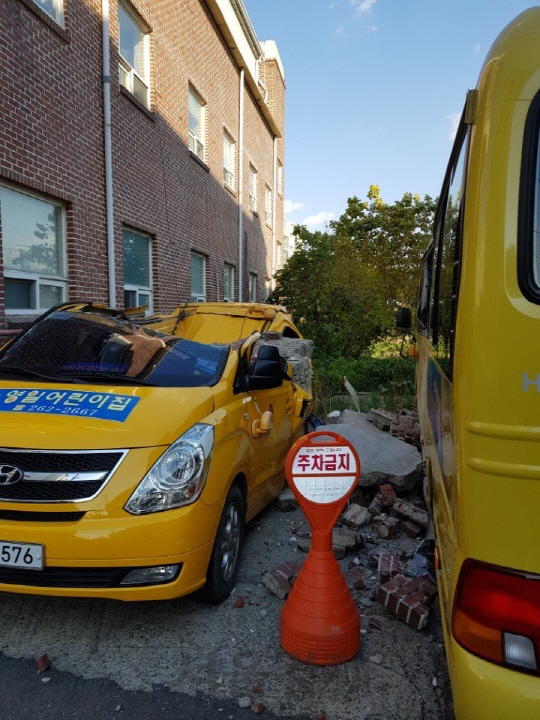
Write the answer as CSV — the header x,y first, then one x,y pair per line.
x,y
90,346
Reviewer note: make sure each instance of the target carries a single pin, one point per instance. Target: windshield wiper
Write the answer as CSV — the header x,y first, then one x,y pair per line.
x,y
126,379
33,374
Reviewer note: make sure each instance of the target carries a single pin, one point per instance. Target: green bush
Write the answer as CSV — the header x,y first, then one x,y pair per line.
x,y
366,374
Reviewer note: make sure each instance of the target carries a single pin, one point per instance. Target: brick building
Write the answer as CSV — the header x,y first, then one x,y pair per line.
x,y
180,196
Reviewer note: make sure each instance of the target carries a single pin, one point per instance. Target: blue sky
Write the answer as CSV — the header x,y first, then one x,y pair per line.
x,y
374,88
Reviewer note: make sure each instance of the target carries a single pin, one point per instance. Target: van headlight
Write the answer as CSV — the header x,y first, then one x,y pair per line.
x,y
178,477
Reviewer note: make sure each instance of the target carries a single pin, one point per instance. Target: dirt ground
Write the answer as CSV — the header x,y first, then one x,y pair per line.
x,y
220,654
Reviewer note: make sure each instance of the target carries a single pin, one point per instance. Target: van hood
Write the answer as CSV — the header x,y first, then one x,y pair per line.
x,y
151,416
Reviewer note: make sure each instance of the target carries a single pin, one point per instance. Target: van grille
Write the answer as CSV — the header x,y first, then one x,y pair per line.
x,y
54,467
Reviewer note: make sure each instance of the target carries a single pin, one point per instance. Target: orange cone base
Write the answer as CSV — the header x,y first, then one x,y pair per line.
x,y
320,624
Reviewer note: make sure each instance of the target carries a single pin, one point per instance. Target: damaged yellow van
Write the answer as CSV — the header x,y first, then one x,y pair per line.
x,y
133,449
478,386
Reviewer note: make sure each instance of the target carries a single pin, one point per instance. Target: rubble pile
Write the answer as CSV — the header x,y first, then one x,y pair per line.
x,y
380,536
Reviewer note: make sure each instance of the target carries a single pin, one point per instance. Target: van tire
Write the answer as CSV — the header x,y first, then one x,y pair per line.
x,y
225,558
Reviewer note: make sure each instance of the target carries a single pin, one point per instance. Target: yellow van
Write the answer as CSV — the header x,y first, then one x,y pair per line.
x,y
478,386
133,449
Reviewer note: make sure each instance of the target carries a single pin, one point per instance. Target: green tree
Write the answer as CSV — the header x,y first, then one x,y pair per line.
x,y
343,286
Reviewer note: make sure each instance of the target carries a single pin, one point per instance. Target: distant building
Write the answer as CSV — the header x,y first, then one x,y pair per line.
x,y
288,245
188,204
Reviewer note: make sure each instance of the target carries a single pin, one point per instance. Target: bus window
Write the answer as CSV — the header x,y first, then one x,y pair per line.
x,y
529,208
422,303
448,239
449,263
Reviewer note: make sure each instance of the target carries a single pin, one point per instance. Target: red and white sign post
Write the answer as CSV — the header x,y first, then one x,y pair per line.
x,y
319,622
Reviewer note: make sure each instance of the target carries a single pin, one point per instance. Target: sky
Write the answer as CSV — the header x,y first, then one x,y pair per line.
x,y
374,92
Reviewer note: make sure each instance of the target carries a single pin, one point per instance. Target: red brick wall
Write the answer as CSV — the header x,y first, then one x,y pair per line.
x,y
51,139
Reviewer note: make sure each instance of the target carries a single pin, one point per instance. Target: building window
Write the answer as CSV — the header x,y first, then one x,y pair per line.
x,y
33,238
280,179
268,206
228,160
134,67
198,277
252,287
252,188
137,269
53,8
228,283
197,112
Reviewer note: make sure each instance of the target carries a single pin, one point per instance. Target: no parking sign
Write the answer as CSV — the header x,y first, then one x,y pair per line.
x,y
319,622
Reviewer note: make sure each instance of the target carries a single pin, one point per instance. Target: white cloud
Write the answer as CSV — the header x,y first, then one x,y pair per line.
x,y
363,7
477,48
373,28
454,122
315,222
291,206
332,6
339,30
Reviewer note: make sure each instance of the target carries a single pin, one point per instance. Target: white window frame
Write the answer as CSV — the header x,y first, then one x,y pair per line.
x,y
142,288
124,66
57,14
280,178
196,142
229,172
252,297
38,279
195,297
268,200
228,267
252,192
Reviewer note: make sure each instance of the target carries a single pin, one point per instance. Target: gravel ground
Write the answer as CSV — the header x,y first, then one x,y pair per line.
x,y
182,649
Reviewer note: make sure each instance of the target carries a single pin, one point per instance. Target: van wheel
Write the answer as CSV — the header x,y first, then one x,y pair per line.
x,y
223,566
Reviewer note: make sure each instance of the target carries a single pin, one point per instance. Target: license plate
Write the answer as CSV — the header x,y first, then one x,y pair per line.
x,y
21,555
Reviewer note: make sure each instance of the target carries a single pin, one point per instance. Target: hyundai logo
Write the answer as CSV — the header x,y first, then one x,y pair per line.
x,y
9,474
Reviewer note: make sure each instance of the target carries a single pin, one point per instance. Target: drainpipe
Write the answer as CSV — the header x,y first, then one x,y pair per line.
x,y
241,190
274,215
106,53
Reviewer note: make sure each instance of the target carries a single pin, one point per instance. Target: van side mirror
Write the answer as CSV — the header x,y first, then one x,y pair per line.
x,y
267,370
403,318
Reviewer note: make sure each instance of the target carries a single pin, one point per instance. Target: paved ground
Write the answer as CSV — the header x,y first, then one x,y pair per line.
x,y
181,659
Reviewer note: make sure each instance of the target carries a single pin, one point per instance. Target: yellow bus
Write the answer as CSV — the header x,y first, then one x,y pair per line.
x,y
478,385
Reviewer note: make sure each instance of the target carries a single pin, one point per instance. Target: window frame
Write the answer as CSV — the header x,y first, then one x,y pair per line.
x,y
128,287
198,298
461,144
230,182
268,201
253,196
252,276
228,267
280,178
194,139
530,165
58,13
39,279
123,64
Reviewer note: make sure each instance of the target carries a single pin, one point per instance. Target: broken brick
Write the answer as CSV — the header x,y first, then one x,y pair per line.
x,y
277,583
43,663
359,577
344,537
257,708
385,527
375,623
419,617
410,528
388,495
429,589
286,502
388,566
376,507
356,516
239,602
411,512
